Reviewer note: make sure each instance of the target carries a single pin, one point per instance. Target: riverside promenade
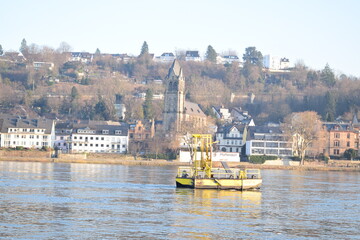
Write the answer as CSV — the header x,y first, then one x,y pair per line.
x,y
97,158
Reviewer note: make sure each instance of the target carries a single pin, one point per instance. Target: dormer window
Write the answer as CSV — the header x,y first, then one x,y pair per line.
x,y
117,132
105,131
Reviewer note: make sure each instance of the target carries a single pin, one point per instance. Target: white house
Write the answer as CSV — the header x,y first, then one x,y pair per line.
x,y
229,59
231,138
275,63
222,113
264,140
100,139
26,133
167,57
192,56
84,57
43,65
240,116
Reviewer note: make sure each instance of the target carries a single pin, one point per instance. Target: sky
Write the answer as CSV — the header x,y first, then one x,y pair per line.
x,y
313,32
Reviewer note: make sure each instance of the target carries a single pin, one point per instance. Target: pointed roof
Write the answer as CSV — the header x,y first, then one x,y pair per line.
x,y
176,68
355,119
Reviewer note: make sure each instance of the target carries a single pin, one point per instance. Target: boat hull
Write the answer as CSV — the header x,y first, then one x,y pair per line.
x,y
218,183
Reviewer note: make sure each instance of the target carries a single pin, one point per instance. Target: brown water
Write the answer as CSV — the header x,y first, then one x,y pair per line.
x,y
88,201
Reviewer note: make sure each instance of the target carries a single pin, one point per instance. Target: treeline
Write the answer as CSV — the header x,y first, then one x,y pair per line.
x,y
207,83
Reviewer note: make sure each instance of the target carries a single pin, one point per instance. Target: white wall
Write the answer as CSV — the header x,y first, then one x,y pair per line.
x,y
184,156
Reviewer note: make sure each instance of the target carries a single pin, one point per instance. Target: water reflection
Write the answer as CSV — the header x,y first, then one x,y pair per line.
x,y
89,201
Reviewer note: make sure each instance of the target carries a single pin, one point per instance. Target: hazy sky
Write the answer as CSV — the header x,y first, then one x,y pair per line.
x,y
314,31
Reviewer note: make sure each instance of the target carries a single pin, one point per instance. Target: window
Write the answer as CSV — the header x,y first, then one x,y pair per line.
x,y
75,137
96,145
118,132
131,135
91,138
102,138
96,138
336,151
123,146
102,145
348,144
337,135
105,131
336,144
348,135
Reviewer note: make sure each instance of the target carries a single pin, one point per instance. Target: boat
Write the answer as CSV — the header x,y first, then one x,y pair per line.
x,y
201,174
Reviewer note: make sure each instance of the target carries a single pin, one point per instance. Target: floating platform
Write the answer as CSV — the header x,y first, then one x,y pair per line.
x,y
248,179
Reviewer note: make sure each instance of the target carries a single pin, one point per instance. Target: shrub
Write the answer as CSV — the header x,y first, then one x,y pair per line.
x,y
260,159
350,154
19,148
298,159
167,156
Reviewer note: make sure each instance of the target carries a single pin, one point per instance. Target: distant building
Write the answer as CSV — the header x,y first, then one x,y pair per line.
x,y
167,57
15,57
177,111
264,140
240,116
141,134
43,65
229,59
341,136
192,56
284,63
222,113
26,133
231,138
83,57
99,139
275,63
119,106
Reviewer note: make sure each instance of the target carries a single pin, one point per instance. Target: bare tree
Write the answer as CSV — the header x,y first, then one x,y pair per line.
x,y
303,128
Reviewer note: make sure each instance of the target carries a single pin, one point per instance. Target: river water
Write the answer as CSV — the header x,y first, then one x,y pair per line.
x,y
95,201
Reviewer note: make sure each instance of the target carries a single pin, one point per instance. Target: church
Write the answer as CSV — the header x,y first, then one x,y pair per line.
x,y
180,116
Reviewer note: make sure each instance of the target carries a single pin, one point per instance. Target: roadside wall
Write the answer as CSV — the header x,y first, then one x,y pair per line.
x,y
25,154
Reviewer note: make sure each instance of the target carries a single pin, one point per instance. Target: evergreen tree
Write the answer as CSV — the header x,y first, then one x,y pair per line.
x,y
74,93
1,50
102,110
211,54
330,108
327,76
24,47
253,57
147,105
144,49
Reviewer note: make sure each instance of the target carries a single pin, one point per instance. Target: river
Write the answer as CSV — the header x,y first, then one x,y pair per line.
x,y
96,201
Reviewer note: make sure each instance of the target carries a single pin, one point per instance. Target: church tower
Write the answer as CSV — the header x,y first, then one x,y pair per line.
x,y
174,98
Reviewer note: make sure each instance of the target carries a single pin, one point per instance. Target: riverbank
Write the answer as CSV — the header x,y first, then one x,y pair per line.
x,y
129,160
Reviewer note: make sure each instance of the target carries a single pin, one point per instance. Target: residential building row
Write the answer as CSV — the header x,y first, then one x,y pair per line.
x,y
270,62
333,140
74,136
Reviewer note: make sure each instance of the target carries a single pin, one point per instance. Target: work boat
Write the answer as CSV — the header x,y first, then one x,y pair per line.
x,y
201,174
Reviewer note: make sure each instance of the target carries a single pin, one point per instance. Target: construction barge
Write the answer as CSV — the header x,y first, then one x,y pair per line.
x,y
201,174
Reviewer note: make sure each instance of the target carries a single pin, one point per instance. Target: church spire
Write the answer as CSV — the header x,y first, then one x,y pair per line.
x,y
175,69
